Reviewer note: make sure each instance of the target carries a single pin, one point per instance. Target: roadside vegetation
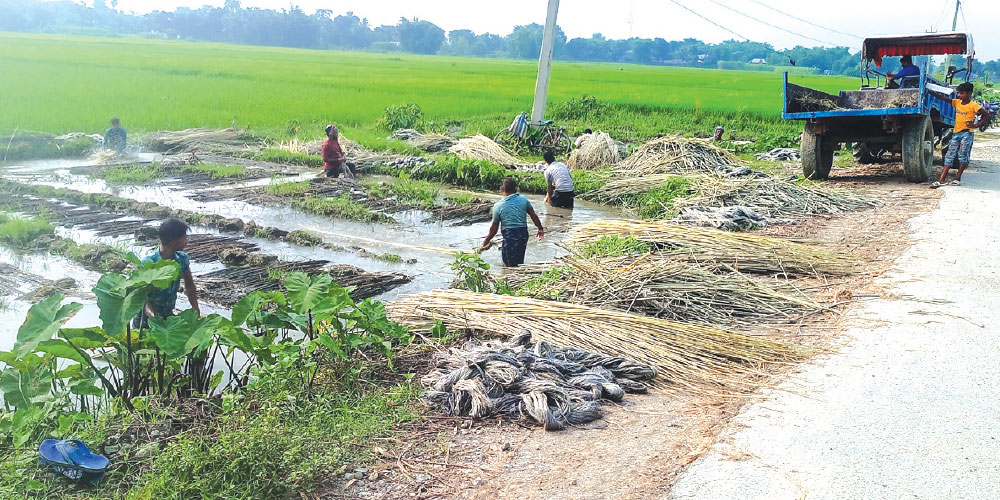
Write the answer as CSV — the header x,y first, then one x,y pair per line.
x,y
305,400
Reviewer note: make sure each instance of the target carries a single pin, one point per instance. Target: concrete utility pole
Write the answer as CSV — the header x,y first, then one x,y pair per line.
x,y
545,63
954,26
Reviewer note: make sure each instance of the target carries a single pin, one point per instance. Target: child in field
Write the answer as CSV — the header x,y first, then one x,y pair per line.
x,y
115,137
966,112
510,215
161,302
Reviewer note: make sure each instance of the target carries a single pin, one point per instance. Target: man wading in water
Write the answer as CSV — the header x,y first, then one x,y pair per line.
x,y
115,137
511,214
560,182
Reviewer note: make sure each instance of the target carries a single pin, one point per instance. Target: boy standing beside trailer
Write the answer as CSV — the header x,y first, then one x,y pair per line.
x,y
966,112
511,216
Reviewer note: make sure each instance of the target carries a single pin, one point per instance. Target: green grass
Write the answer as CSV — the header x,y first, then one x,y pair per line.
x,y
340,207
405,190
22,232
63,84
615,246
218,171
130,175
546,285
283,157
287,188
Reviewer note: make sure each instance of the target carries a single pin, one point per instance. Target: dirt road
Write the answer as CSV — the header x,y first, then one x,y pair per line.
x,y
909,408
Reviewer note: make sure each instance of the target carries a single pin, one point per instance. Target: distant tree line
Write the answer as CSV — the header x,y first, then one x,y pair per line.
x,y
292,27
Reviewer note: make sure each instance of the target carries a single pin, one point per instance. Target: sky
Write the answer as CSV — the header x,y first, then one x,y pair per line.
x,y
666,19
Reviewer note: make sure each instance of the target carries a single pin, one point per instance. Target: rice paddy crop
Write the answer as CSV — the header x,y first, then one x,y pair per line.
x,y
65,84
218,171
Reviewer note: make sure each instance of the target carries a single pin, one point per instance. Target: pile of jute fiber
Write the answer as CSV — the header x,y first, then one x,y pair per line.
x,y
677,155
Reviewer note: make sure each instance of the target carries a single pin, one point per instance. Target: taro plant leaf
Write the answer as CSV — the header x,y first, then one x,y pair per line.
x,y
84,338
159,274
117,306
75,371
178,336
42,322
305,291
336,300
330,343
23,388
253,303
61,349
86,388
25,419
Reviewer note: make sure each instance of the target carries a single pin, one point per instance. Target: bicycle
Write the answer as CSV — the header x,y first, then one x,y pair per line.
x,y
544,136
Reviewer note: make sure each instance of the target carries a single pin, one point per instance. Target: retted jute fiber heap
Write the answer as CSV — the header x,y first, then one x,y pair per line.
x,y
480,147
554,386
677,155
748,252
196,139
773,197
685,356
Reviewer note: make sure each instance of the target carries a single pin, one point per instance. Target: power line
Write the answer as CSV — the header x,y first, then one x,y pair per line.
x,y
771,25
803,20
709,20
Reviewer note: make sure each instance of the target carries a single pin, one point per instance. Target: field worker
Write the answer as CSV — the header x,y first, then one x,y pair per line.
x,y
560,192
115,137
966,112
333,156
718,133
909,69
510,216
583,138
161,302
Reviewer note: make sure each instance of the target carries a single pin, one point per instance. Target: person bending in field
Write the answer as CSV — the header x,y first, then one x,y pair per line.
x,y
115,137
583,138
161,302
510,216
334,161
718,133
560,191
966,112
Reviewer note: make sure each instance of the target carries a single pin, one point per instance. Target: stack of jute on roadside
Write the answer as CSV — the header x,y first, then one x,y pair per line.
x,y
677,155
430,142
551,385
685,356
774,197
748,252
659,286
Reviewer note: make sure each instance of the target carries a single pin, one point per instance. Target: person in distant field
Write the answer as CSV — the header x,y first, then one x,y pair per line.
x,y
718,133
583,138
966,113
510,216
333,155
909,69
557,176
161,302
115,137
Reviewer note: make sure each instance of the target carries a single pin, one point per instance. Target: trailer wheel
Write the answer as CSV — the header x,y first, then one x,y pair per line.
x,y
918,149
863,153
817,157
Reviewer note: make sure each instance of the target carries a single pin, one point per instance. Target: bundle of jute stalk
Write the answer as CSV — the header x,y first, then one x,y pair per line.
x,y
677,155
667,288
480,147
177,141
773,197
748,252
684,355
597,151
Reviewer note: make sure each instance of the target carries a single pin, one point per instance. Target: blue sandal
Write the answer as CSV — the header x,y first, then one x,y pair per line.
x,y
72,459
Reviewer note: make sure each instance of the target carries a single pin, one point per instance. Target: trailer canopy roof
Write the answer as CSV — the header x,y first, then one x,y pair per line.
x,y
926,44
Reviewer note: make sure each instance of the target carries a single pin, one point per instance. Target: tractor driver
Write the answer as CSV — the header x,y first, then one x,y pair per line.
x,y
909,69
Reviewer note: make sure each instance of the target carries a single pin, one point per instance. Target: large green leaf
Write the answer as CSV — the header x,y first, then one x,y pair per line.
x,y
42,322
253,303
306,291
85,338
178,336
22,388
159,274
61,349
117,305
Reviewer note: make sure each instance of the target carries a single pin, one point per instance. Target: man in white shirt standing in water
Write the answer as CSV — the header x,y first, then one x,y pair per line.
x,y
560,193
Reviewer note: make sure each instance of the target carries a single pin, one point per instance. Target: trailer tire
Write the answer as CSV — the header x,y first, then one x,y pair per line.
x,y
863,153
918,149
817,156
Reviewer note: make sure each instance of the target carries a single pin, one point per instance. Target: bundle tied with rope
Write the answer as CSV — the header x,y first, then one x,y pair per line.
x,y
685,356
482,148
598,150
556,387
678,155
